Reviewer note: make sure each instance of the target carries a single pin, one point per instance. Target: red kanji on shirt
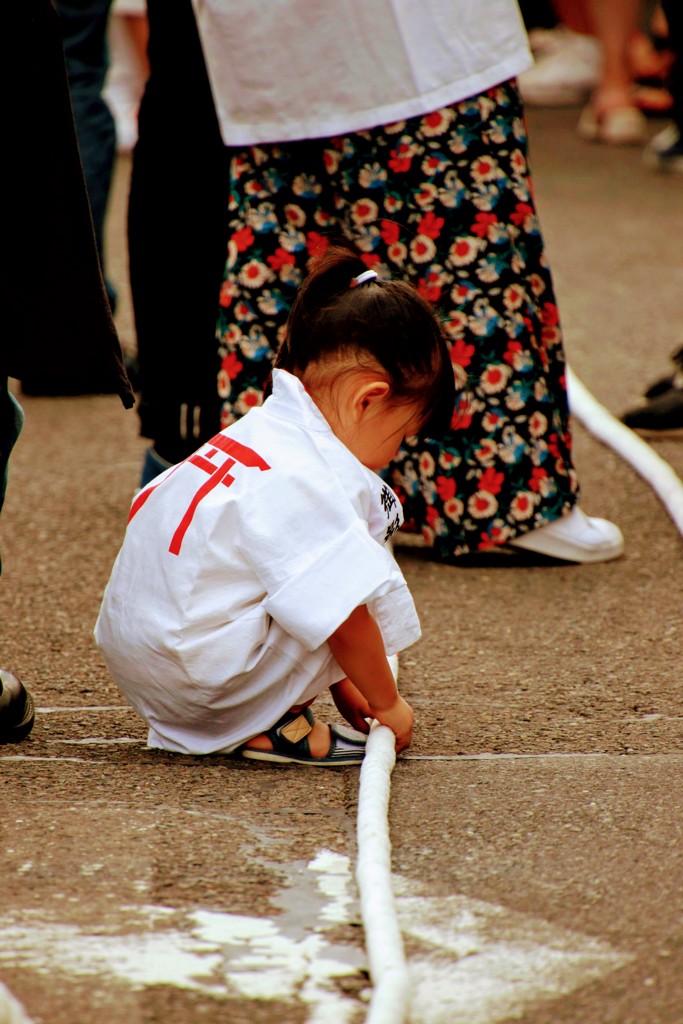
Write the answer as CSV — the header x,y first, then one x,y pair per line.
x,y
218,474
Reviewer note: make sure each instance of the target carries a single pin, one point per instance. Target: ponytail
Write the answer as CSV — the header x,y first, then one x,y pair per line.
x,y
345,310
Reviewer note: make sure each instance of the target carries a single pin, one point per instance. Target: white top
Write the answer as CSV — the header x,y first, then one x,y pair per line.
x,y
236,567
295,69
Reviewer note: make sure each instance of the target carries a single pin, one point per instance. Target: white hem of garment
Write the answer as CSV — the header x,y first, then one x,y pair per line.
x,y
330,123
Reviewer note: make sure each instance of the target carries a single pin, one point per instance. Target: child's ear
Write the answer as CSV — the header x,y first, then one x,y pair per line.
x,y
368,396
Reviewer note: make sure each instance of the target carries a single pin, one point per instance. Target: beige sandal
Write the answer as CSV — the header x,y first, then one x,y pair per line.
x,y
620,126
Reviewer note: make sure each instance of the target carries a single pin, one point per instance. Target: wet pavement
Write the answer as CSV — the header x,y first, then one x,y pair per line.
x,y
535,821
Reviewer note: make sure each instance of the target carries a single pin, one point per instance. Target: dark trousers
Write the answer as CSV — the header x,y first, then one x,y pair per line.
x,y
84,28
11,421
177,237
57,337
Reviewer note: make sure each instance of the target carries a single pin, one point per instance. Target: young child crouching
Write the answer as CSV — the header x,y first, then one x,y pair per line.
x,y
255,574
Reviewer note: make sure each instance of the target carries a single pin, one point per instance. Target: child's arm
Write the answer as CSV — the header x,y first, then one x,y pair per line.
x,y
358,648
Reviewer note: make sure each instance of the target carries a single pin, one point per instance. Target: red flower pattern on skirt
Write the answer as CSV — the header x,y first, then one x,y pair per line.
x,y
443,201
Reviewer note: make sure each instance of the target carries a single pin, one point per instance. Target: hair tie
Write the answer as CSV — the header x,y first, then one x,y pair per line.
x,y
367,275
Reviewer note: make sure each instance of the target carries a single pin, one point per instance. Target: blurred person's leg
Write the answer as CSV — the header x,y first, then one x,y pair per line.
x,y
16,703
612,115
84,27
568,59
589,58
11,421
127,36
614,24
177,232
574,14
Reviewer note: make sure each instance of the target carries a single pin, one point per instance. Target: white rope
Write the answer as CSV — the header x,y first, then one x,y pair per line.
x,y
666,484
388,969
11,1012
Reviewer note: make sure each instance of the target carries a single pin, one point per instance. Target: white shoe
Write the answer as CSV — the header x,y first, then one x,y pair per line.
x,y
543,42
575,538
621,126
565,75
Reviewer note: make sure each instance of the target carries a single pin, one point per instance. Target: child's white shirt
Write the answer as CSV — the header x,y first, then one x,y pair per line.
x,y
236,567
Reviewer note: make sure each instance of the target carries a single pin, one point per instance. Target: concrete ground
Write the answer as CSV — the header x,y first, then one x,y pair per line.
x,y
536,821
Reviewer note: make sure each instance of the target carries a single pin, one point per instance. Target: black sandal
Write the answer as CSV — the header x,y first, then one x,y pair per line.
x,y
289,737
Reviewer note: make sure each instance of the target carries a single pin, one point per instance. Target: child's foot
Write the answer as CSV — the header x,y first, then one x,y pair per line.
x,y
298,738
318,738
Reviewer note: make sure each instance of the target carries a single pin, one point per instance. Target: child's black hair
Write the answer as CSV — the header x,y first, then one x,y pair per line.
x,y
386,320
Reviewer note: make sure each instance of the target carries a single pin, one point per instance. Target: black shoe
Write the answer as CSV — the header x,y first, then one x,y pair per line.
x,y
664,152
674,379
661,416
17,713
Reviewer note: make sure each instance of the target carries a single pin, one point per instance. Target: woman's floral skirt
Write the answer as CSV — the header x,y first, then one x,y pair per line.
x,y
443,201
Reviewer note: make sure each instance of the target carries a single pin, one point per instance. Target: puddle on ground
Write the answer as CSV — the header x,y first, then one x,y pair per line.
x,y
470,962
